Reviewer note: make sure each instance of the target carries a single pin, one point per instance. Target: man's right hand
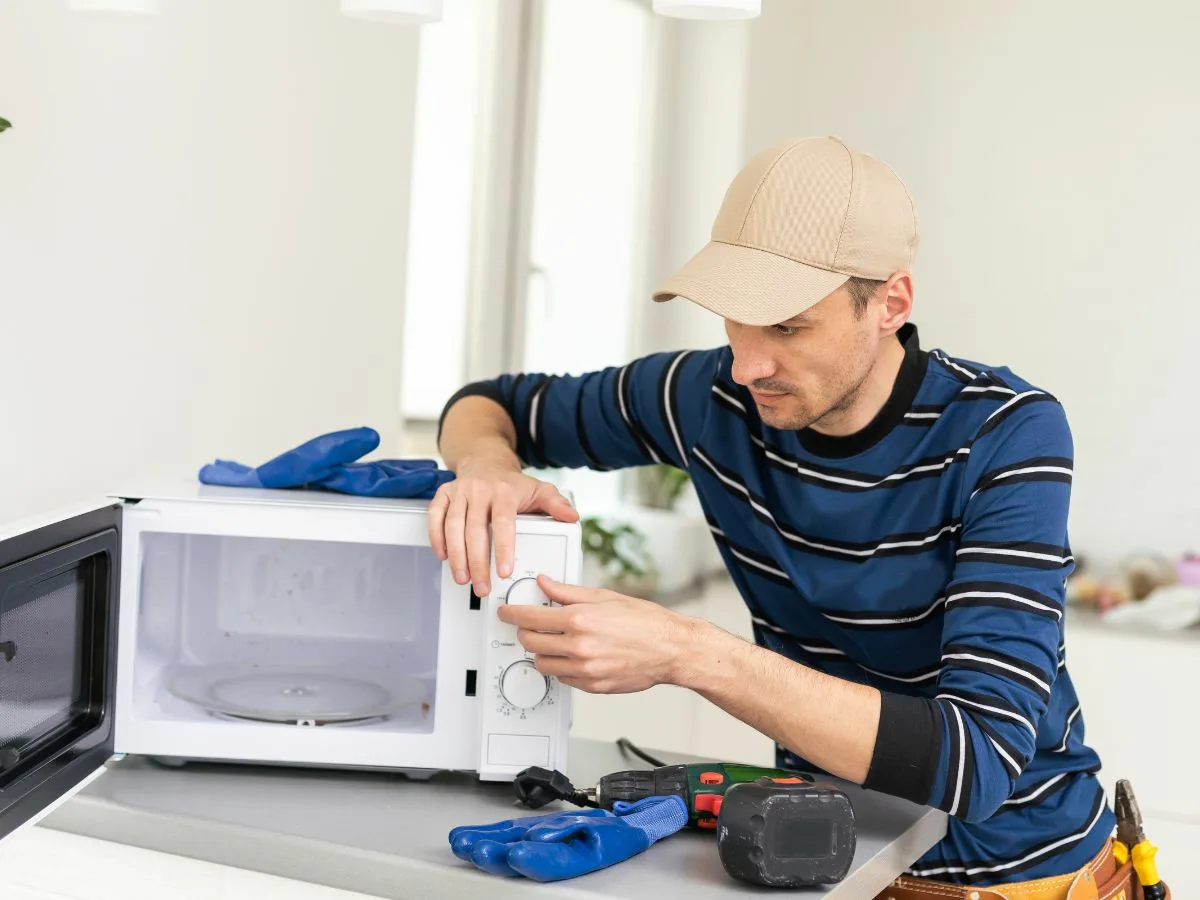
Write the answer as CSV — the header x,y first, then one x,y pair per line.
x,y
481,494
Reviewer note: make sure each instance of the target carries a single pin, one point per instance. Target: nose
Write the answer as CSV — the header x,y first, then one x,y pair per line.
x,y
751,360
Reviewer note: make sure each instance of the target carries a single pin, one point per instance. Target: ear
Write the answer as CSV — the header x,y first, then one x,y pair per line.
x,y
898,300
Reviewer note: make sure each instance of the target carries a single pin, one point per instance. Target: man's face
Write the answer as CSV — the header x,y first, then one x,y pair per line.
x,y
809,368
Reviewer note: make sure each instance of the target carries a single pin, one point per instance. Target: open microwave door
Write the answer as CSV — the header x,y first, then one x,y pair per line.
x,y
58,646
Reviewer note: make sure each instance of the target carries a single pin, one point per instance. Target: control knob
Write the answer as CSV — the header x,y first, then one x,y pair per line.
x,y
523,686
525,591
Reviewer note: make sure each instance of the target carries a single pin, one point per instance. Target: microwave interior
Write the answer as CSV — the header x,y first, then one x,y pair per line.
x,y
284,632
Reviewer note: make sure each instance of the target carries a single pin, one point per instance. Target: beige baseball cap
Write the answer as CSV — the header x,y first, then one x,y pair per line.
x,y
801,219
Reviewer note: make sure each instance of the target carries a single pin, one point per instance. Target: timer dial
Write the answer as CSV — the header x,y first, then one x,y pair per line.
x,y
523,686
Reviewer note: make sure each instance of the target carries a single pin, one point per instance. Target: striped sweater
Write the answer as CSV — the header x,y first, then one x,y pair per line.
x,y
925,555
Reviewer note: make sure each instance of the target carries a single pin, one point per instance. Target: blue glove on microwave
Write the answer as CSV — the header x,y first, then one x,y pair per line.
x,y
563,845
327,462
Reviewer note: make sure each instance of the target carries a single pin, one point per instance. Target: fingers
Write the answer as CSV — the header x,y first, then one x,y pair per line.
x,y
504,534
534,618
566,594
436,521
543,643
456,533
478,542
472,517
548,499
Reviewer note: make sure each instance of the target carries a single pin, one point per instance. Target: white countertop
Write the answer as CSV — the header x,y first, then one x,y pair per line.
x,y
386,836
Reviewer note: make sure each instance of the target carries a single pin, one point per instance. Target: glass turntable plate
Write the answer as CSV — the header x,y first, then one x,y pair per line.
x,y
293,693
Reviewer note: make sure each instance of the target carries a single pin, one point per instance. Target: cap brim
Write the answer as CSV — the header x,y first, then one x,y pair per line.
x,y
749,286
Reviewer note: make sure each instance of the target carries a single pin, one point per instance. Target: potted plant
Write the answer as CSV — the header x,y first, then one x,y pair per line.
x,y
615,557
660,487
651,547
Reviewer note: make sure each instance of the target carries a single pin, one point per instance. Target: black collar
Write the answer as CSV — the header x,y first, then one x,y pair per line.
x,y
908,382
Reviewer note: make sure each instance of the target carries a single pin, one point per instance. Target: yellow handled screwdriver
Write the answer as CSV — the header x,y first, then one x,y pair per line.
x,y
1131,843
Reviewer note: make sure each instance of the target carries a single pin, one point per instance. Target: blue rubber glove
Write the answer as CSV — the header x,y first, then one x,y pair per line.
x,y
328,463
563,845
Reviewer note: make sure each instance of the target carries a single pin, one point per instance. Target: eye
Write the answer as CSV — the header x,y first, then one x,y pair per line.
x,y
784,330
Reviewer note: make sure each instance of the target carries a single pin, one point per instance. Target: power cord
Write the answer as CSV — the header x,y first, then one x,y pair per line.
x,y
630,749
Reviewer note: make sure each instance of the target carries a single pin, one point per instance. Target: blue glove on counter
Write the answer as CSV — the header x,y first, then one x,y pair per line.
x,y
328,463
563,845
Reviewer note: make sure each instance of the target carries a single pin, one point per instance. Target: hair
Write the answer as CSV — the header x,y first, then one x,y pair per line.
x,y
861,291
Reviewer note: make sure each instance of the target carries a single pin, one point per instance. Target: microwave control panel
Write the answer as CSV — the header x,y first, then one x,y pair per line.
x,y
525,714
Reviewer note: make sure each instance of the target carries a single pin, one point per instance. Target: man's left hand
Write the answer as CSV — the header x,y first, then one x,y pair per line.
x,y
601,641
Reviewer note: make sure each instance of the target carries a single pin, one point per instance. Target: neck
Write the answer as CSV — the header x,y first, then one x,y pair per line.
x,y
870,396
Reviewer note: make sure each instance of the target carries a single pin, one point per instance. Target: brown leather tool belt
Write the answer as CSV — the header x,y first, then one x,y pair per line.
x,y
1100,879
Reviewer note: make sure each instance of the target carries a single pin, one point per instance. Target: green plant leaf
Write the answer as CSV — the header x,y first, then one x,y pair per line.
x,y
5,124
617,546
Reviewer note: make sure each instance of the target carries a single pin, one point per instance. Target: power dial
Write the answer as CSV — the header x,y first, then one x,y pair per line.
x,y
525,591
523,686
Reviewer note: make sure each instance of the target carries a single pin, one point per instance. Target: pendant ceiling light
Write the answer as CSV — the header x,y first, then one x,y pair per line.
x,y
709,9
146,7
408,12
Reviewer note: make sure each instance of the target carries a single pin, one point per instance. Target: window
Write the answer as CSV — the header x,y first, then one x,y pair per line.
x,y
443,185
533,139
591,159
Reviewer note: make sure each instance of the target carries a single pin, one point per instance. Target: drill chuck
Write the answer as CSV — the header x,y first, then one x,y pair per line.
x,y
636,785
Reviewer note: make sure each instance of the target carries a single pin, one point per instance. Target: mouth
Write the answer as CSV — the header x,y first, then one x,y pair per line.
x,y
766,398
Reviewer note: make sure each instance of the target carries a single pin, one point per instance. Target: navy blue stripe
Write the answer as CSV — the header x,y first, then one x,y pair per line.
x,y
1016,865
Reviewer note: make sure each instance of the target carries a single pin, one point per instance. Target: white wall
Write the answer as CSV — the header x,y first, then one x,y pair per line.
x,y
203,221
699,147
1051,149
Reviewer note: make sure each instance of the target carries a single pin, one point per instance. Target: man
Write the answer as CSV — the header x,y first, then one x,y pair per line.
x,y
895,519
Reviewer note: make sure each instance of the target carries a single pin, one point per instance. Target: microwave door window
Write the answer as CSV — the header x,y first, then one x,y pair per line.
x,y
41,689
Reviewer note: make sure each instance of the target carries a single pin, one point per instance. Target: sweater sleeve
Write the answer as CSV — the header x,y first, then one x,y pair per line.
x,y
649,411
963,750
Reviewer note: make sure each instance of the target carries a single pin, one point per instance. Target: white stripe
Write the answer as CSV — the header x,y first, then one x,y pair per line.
x,y
822,651
625,415
666,399
953,365
533,408
1008,551
922,415
1045,851
1014,597
1036,792
960,454
902,620
962,761
747,560
763,567
913,679
1016,769
826,651
1062,748
1024,471
1061,470
987,389
939,465
732,399
758,620
1017,398
1001,664
797,539
954,698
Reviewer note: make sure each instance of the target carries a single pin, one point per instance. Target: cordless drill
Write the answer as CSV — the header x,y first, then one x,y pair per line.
x,y
774,827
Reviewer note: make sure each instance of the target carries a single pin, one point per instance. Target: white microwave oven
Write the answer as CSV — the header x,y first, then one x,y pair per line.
x,y
286,627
